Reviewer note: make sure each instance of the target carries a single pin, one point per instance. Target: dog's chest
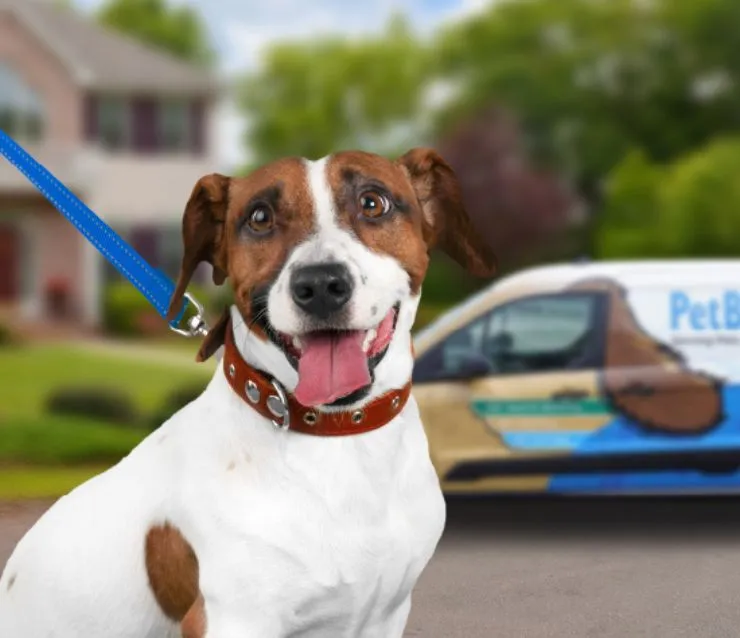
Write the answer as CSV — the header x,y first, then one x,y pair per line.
x,y
339,535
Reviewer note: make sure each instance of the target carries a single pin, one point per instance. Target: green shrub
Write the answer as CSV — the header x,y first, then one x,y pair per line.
x,y
124,309
686,208
220,298
52,440
127,313
176,400
7,336
105,404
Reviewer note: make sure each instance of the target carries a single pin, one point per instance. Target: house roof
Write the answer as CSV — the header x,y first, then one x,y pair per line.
x,y
103,59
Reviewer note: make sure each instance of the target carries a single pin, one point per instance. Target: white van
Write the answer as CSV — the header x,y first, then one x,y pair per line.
x,y
592,377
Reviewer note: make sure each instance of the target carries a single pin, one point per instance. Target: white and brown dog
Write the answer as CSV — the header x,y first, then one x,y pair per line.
x,y
241,517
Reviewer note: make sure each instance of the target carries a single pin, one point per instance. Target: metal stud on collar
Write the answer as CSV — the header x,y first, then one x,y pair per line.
x,y
357,416
232,370
396,402
252,391
310,418
277,404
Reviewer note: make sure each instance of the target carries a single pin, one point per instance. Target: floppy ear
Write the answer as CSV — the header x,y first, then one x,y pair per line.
x,y
215,338
202,234
446,224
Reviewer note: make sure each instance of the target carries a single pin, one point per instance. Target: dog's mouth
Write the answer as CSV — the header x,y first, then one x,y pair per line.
x,y
335,367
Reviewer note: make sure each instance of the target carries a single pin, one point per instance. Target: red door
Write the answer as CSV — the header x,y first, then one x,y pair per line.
x,y
8,264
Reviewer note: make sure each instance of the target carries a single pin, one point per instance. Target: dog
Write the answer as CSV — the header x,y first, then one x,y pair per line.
x,y
296,496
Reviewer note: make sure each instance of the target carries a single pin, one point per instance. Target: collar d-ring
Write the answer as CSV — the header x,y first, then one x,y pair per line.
x,y
278,406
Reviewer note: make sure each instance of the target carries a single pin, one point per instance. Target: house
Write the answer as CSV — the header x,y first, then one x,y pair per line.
x,y
127,128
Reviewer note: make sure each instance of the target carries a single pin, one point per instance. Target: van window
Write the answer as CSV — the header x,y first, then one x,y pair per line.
x,y
541,334
533,335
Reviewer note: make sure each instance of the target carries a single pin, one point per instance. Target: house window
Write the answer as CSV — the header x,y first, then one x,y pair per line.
x,y
534,335
114,125
174,125
21,110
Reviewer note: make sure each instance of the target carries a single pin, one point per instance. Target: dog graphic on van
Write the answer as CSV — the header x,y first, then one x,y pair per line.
x,y
647,381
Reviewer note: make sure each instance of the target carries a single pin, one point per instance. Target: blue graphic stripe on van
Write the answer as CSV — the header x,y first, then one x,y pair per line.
x,y
635,482
540,408
562,440
623,435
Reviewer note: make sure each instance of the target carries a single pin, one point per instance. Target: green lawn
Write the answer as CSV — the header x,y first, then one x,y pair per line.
x,y
28,374
44,455
43,482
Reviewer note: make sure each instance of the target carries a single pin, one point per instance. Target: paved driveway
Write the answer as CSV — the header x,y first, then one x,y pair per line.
x,y
567,569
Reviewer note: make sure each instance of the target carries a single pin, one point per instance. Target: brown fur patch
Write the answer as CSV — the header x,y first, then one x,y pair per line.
x,y
172,568
401,235
194,623
254,263
212,232
648,381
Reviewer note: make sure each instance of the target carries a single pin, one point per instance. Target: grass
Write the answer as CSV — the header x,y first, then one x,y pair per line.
x,y
20,482
27,374
45,456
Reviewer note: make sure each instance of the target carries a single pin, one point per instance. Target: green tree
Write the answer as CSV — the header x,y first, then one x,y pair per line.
x,y
590,80
311,98
685,209
178,30
629,223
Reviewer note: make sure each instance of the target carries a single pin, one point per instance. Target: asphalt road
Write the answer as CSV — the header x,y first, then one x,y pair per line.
x,y
567,569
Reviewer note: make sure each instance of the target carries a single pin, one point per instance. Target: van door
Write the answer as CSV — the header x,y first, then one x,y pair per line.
x,y
522,379
542,392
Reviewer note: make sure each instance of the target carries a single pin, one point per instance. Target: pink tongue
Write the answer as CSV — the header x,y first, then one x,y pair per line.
x,y
332,365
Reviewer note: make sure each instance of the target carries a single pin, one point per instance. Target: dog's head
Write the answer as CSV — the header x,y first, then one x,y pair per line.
x,y
327,259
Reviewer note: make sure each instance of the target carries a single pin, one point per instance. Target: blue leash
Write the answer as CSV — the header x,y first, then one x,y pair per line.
x,y
150,282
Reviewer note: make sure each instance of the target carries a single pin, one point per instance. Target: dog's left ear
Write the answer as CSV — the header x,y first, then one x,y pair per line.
x,y
446,224
202,234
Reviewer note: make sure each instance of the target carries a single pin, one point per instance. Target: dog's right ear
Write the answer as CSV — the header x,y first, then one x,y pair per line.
x,y
215,338
202,234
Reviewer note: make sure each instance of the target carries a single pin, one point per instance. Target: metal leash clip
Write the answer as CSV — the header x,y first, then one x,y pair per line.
x,y
196,325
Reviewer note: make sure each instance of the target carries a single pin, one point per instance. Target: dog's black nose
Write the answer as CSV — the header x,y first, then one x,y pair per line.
x,y
321,289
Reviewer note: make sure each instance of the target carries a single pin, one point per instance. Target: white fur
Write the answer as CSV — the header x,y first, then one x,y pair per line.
x,y
295,535
380,281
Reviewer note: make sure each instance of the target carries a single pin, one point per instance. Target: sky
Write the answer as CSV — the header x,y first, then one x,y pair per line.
x,y
241,29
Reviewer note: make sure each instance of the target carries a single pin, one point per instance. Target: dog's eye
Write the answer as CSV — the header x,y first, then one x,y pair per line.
x,y
260,220
374,204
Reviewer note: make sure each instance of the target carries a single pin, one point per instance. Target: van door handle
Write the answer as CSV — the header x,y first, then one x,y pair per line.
x,y
568,394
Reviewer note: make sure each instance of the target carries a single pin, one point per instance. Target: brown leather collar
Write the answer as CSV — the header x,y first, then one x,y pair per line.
x,y
269,398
